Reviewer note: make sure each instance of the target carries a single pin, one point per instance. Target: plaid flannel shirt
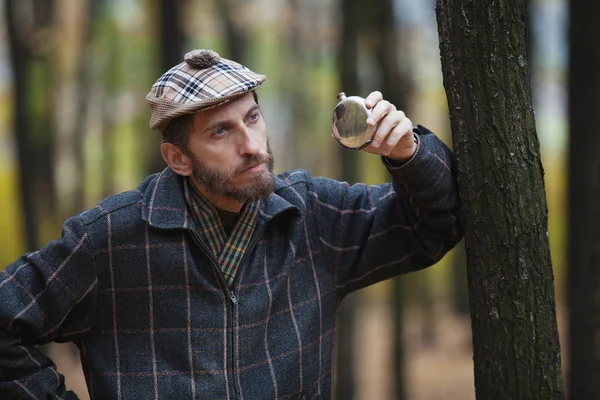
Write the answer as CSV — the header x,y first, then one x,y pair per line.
x,y
135,286
228,251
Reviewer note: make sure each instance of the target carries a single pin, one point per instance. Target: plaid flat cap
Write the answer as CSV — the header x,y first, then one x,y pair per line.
x,y
202,81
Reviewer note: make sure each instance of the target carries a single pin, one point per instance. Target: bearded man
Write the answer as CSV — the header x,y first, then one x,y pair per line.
x,y
216,279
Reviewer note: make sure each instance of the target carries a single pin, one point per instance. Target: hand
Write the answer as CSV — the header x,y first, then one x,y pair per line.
x,y
394,137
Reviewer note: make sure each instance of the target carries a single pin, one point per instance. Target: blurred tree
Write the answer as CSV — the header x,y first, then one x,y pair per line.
x,y
73,82
500,176
172,37
28,27
171,48
107,89
294,87
396,88
235,36
583,280
352,18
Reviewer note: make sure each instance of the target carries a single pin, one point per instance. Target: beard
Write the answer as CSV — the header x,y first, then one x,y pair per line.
x,y
221,183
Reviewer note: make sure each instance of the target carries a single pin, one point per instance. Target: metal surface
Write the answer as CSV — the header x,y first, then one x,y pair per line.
x,y
349,124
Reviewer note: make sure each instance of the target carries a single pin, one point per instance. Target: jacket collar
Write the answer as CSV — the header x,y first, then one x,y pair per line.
x,y
164,207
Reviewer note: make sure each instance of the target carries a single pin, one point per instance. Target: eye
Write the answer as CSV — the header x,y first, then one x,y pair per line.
x,y
218,132
254,116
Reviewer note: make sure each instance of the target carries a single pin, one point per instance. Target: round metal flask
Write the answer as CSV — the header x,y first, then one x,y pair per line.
x,y
349,125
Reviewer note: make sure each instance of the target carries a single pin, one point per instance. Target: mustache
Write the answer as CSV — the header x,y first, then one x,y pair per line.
x,y
254,160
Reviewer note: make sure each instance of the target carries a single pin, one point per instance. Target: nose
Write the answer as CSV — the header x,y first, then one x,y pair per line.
x,y
248,143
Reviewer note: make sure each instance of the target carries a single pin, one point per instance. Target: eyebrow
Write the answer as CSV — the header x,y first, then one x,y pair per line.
x,y
220,124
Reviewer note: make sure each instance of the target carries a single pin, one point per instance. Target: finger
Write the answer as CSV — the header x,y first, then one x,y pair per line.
x,y
393,139
401,131
385,127
373,98
380,110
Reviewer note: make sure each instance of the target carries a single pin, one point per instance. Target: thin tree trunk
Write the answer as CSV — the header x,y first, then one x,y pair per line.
x,y
108,94
73,84
348,64
235,37
345,388
41,107
19,54
171,52
395,87
584,204
171,34
295,88
32,126
84,84
503,203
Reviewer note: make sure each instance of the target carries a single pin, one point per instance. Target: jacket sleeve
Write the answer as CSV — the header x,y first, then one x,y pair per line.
x,y
371,233
46,296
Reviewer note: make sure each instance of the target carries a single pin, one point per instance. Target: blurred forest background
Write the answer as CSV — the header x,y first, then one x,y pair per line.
x,y
74,129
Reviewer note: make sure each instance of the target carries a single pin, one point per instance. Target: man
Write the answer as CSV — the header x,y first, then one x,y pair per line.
x,y
215,279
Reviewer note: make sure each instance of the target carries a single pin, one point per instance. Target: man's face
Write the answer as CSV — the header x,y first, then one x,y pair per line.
x,y
230,152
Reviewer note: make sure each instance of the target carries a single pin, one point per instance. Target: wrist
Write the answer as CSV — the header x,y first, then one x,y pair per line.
x,y
405,155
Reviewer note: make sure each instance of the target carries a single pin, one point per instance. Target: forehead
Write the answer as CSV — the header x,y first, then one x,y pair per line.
x,y
232,109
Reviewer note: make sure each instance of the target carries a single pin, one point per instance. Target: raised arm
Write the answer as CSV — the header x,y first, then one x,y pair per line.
x,y
371,233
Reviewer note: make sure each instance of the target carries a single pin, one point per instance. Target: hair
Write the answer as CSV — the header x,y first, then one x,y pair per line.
x,y
177,131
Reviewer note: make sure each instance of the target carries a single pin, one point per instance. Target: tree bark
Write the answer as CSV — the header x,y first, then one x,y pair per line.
x,y
460,292
503,203
584,206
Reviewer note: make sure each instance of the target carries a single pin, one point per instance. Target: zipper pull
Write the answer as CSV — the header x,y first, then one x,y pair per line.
x,y
233,298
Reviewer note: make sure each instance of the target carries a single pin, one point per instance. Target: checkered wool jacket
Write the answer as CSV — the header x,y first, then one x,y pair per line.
x,y
134,286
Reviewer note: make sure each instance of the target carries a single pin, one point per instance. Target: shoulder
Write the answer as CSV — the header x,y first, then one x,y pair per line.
x,y
293,188
291,178
300,183
122,203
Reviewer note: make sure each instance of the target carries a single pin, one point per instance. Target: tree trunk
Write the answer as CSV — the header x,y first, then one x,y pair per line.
x,y
19,54
235,36
295,88
503,203
584,206
73,82
460,292
395,87
171,52
32,126
348,65
345,388
171,34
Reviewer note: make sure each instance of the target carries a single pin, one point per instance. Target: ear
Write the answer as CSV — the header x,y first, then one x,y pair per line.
x,y
179,162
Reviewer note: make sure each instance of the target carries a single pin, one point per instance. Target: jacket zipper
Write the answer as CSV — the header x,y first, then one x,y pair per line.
x,y
232,297
251,244
230,293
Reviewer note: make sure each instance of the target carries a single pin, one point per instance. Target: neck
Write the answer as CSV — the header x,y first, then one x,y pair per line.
x,y
220,202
